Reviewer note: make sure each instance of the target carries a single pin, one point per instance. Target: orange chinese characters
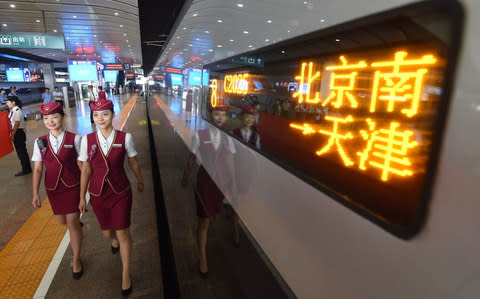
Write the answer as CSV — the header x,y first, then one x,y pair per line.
x,y
213,97
402,84
387,150
336,137
342,83
306,82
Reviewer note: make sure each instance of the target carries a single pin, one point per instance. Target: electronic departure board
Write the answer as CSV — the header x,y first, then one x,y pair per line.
x,y
355,110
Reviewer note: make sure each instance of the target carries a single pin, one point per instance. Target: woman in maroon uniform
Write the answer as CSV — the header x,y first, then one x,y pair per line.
x,y
58,150
209,146
247,132
103,153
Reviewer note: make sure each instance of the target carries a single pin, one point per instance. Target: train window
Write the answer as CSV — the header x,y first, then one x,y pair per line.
x,y
356,110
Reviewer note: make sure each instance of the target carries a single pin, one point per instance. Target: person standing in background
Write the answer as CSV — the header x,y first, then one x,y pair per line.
x,y
102,95
17,134
3,96
58,95
13,91
46,96
91,99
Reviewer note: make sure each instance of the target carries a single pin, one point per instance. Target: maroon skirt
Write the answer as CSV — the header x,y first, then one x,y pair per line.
x,y
64,200
208,196
112,210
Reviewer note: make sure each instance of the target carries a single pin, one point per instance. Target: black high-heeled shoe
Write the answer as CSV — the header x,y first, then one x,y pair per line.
x,y
77,275
115,249
127,292
203,275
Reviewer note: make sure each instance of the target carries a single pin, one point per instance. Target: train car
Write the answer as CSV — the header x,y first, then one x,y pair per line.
x,y
366,188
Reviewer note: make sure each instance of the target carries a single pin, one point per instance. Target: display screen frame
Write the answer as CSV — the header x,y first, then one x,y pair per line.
x,y
73,66
16,71
456,17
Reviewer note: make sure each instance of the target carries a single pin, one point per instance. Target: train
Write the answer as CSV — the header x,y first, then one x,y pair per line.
x,y
378,198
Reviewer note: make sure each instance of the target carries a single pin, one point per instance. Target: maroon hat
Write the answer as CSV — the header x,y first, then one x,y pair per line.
x,y
249,110
220,108
51,108
101,104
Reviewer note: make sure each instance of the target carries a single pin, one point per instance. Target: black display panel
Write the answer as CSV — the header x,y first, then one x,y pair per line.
x,y
356,110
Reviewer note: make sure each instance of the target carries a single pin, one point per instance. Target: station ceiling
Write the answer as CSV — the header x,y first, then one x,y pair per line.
x,y
92,28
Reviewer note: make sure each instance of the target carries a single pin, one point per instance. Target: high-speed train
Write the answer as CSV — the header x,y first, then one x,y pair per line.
x,y
365,185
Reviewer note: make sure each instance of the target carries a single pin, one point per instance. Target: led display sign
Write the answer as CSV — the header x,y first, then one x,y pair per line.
x,y
194,78
113,66
176,79
15,75
362,125
82,70
110,76
173,70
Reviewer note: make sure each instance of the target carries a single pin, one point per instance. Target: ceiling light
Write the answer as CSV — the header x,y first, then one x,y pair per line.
x,y
4,25
267,40
67,37
322,20
184,28
12,5
219,46
305,2
283,51
207,32
178,37
245,32
250,46
74,17
288,31
54,30
210,50
195,14
124,34
240,4
232,40
269,21
190,45
116,13
197,38
126,40
219,21
337,39
38,21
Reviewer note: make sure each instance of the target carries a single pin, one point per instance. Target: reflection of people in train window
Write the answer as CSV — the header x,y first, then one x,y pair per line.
x,y
300,109
209,146
277,108
247,132
256,105
188,104
285,108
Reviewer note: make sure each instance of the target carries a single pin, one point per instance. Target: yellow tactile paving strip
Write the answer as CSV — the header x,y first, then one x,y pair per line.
x,y
122,115
26,257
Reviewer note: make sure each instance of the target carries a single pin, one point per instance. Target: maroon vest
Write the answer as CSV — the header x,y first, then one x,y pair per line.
x,y
61,166
253,136
107,168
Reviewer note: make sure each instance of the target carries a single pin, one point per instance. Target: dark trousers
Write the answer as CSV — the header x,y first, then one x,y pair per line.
x,y
20,143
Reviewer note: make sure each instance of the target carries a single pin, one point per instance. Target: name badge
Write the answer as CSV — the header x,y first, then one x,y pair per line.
x,y
117,145
206,142
68,145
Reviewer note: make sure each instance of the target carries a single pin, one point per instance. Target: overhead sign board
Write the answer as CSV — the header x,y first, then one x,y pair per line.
x,y
248,60
32,41
173,70
113,66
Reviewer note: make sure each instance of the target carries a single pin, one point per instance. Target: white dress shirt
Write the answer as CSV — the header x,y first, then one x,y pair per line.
x,y
105,145
16,114
215,140
55,144
247,134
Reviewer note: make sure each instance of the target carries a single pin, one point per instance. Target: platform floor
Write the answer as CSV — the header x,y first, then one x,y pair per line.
x,y
33,263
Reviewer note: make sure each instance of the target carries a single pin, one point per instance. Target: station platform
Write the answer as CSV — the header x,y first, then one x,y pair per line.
x,y
35,259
